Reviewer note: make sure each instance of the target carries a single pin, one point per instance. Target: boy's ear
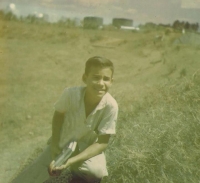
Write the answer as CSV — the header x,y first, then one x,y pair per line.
x,y
112,80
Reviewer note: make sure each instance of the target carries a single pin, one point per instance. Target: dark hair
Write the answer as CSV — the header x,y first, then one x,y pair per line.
x,y
98,61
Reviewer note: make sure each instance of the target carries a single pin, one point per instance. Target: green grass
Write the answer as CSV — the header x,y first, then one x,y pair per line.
x,y
157,138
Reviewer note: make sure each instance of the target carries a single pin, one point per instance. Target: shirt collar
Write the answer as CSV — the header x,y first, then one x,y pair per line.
x,y
100,105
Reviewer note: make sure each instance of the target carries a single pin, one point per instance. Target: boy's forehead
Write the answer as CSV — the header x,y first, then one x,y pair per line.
x,y
97,69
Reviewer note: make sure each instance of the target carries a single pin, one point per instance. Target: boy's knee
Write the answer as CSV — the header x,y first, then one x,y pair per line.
x,y
92,169
95,172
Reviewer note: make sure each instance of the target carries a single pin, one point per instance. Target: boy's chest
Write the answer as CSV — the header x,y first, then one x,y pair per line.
x,y
88,109
81,112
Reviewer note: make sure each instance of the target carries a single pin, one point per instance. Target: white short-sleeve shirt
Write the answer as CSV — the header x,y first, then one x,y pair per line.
x,y
76,126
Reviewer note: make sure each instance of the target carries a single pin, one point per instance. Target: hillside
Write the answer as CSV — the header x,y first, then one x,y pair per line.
x,y
39,60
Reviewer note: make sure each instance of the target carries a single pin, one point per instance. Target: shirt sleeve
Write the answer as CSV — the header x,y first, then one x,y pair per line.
x,y
61,104
108,122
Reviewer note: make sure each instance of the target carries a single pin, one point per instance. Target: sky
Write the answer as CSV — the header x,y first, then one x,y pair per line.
x,y
140,11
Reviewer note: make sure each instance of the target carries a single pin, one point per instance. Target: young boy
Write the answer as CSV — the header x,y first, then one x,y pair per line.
x,y
91,106
87,115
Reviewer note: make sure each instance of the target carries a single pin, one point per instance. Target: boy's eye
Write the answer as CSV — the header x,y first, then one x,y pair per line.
x,y
96,77
106,78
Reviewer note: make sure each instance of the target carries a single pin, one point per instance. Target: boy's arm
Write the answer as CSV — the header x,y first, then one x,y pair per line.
x,y
89,152
57,122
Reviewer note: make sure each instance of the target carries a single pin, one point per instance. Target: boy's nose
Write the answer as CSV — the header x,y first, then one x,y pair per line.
x,y
100,82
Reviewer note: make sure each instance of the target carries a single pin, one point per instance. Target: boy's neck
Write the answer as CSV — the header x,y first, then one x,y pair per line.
x,y
89,100
90,104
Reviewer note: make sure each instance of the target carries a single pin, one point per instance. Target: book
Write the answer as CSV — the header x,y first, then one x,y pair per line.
x,y
65,154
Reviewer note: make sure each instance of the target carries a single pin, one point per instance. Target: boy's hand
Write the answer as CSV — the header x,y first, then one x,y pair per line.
x,y
56,171
52,169
64,166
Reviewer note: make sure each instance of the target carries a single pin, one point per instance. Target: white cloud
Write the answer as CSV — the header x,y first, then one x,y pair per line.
x,y
117,8
93,3
132,11
12,6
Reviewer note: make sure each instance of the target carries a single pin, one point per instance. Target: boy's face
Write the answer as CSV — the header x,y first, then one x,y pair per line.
x,y
98,81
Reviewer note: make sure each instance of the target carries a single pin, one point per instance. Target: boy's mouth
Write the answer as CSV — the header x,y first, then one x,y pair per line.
x,y
100,90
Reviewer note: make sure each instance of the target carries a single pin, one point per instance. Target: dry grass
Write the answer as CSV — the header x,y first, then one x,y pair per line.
x,y
157,139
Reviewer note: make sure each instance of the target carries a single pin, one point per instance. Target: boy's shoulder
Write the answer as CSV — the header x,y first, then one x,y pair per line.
x,y
110,101
75,90
74,94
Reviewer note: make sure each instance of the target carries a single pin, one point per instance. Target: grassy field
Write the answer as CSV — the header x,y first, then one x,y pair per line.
x,y
156,84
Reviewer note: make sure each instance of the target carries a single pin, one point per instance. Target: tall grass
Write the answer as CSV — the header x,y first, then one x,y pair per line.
x,y
158,141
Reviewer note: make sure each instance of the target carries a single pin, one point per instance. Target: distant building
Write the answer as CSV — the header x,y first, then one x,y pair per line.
x,y
118,22
129,28
92,22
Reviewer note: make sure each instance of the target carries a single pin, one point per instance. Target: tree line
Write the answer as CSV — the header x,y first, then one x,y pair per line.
x,y
180,25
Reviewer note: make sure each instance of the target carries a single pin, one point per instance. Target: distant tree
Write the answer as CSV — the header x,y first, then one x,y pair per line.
x,y
1,14
195,27
164,25
10,16
33,19
30,18
176,24
66,22
187,25
182,25
150,25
